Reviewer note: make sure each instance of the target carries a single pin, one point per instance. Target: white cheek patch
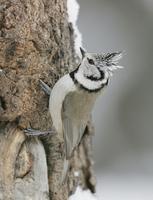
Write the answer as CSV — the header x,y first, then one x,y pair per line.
x,y
91,71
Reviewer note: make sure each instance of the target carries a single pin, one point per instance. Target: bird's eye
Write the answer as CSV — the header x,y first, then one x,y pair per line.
x,y
91,61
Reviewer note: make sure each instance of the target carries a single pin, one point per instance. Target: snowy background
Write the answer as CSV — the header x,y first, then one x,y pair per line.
x,y
123,116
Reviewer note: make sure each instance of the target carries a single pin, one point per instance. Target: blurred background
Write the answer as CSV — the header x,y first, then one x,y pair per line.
x,y
123,115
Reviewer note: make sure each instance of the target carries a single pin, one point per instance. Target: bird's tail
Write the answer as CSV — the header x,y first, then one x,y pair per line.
x,y
65,170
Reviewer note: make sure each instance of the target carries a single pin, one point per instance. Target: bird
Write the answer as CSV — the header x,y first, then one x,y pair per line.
x,y
73,97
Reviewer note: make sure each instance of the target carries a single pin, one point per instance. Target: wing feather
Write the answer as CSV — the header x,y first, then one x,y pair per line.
x,y
76,110
73,124
72,135
68,136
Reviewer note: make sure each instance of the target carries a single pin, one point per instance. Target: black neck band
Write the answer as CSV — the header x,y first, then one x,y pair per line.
x,y
72,75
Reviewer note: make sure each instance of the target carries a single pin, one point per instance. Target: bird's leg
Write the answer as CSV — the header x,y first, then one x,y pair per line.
x,y
45,87
33,132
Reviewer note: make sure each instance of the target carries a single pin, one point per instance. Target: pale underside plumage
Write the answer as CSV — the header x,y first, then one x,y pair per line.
x,y
70,110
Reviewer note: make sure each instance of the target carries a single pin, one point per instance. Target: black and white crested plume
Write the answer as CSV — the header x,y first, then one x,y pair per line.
x,y
111,61
95,70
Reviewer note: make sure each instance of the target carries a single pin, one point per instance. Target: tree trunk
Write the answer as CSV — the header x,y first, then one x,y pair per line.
x,y
36,42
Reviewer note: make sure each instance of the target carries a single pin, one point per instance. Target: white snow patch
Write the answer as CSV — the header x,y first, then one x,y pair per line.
x,y
76,174
82,195
73,10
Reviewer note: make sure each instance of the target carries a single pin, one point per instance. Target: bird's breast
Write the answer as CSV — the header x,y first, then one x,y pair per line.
x,y
78,105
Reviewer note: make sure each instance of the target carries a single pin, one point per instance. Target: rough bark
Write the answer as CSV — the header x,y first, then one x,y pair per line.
x,y
36,42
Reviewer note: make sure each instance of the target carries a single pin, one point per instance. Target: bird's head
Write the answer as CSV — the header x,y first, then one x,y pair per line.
x,y
97,65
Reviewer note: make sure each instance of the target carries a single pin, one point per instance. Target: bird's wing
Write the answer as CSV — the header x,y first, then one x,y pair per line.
x,y
73,127
68,136
72,135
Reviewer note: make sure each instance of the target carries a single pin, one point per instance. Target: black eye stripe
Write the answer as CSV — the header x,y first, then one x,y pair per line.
x,y
91,61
